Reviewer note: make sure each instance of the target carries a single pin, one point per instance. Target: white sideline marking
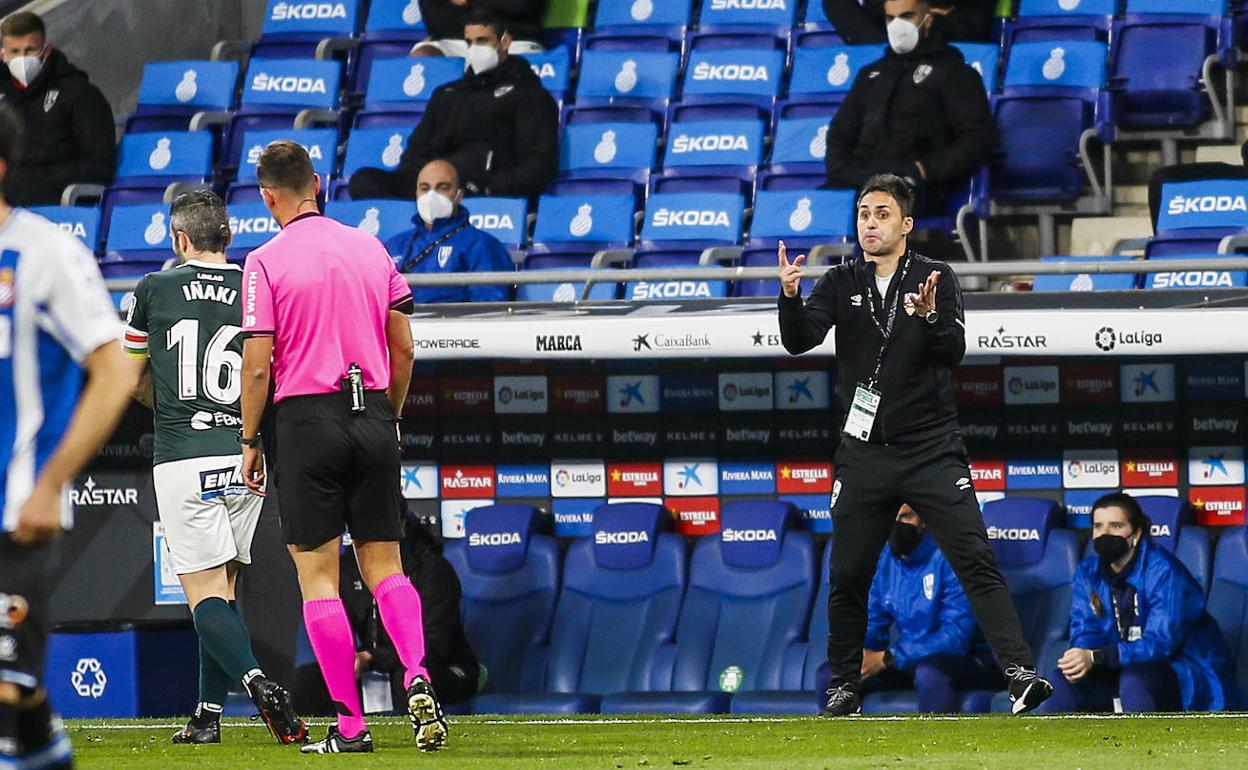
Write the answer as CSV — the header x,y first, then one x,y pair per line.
x,y
693,720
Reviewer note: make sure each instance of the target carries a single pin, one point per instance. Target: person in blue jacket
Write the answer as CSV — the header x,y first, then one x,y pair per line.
x,y
917,595
1139,631
444,241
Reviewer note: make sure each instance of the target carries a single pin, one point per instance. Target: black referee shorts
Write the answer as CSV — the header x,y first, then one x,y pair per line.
x,y
337,469
25,577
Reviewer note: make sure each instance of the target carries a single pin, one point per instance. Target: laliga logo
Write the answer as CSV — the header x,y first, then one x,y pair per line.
x,y
620,538
749,535
563,478
84,688
1105,339
476,539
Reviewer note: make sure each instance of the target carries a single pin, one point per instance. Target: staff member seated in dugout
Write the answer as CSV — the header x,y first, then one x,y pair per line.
x,y
1139,632
916,594
444,241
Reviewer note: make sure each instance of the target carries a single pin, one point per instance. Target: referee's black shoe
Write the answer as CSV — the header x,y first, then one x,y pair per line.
x,y
841,701
334,743
428,721
273,703
1027,688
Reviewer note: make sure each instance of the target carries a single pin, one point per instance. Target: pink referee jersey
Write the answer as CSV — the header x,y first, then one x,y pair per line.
x,y
324,291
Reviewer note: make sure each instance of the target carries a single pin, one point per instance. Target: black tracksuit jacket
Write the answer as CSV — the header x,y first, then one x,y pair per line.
x,y
916,380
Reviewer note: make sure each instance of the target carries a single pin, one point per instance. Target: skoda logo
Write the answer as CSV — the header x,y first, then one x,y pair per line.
x,y
1105,338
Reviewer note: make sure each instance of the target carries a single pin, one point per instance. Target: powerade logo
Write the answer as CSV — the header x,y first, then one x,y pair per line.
x,y
665,217
1013,533
493,539
263,82
620,538
749,535
308,11
706,71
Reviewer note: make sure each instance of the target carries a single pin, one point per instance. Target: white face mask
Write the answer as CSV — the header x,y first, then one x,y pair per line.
x,y
481,58
433,206
25,68
903,35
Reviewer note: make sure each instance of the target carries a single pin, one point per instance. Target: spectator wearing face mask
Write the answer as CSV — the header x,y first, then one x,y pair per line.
x,y
444,241
1139,632
68,122
917,599
445,21
861,22
497,125
920,112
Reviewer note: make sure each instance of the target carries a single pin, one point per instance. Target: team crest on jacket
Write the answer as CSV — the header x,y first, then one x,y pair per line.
x,y
49,99
503,90
921,72
929,585
444,255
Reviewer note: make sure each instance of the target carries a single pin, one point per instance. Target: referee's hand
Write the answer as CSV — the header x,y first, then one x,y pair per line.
x,y
790,272
253,470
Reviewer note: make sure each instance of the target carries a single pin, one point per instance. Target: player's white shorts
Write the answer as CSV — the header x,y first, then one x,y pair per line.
x,y
209,515
454,47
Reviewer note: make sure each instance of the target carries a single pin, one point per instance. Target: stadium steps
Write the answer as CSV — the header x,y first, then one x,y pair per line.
x,y
1096,236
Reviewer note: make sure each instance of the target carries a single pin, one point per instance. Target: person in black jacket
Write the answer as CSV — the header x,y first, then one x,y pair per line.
x,y
453,667
497,125
445,21
69,124
900,330
920,112
862,22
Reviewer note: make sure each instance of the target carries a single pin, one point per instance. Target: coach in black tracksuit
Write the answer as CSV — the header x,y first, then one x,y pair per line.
x,y
899,331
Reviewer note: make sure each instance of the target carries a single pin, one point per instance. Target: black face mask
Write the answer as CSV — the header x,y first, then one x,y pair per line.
x,y
1110,548
905,539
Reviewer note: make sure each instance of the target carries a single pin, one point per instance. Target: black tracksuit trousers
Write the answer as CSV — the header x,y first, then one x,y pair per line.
x,y
932,476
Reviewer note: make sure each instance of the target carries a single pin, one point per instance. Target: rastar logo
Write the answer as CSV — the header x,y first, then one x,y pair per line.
x,y
476,539
1192,279
491,221
1003,340
1013,533
263,82
670,290
620,538
749,535
737,72
988,475
93,494
558,343
1205,204
684,143
308,11
467,481
665,217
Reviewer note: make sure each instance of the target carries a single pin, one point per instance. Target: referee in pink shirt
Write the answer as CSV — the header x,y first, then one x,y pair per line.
x,y
325,318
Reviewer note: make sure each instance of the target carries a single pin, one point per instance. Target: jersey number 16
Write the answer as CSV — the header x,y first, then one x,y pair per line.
x,y
221,371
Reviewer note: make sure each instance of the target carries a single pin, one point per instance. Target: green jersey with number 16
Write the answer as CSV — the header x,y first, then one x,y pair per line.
x,y
186,320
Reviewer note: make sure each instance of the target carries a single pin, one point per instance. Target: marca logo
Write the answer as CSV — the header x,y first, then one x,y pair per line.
x,y
1013,533
467,481
988,475
492,222
92,494
739,72
478,540
558,343
256,225
620,538
665,217
1205,204
308,11
263,82
1001,340
669,290
748,5
684,143
749,535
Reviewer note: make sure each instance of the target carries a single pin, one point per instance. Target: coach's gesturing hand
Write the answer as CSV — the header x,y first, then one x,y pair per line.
x,y
923,301
790,272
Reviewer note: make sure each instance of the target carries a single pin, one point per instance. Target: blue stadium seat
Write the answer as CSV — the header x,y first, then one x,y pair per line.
x,y
376,147
1191,224
1176,247
1157,59
617,612
510,579
251,225
138,234
504,218
1173,530
815,20
1052,95
1228,599
615,149
669,18
826,73
636,77
157,159
984,58
569,232
80,221
554,68
806,671
391,29
715,143
804,217
1049,20
382,218
800,144
743,67
718,14
679,227
1038,562
1086,281
400,84
172,92
277,92
321,144
296,28
750,589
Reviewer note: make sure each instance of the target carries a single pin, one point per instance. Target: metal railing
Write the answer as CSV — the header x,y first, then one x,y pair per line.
x,y
590,276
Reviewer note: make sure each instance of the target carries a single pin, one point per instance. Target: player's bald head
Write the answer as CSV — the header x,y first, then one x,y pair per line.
x,y
438,175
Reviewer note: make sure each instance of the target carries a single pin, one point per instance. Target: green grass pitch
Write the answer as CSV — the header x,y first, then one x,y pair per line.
x,y
1113,743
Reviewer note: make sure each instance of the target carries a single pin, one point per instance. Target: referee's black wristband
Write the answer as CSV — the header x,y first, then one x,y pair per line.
x,y
248,442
